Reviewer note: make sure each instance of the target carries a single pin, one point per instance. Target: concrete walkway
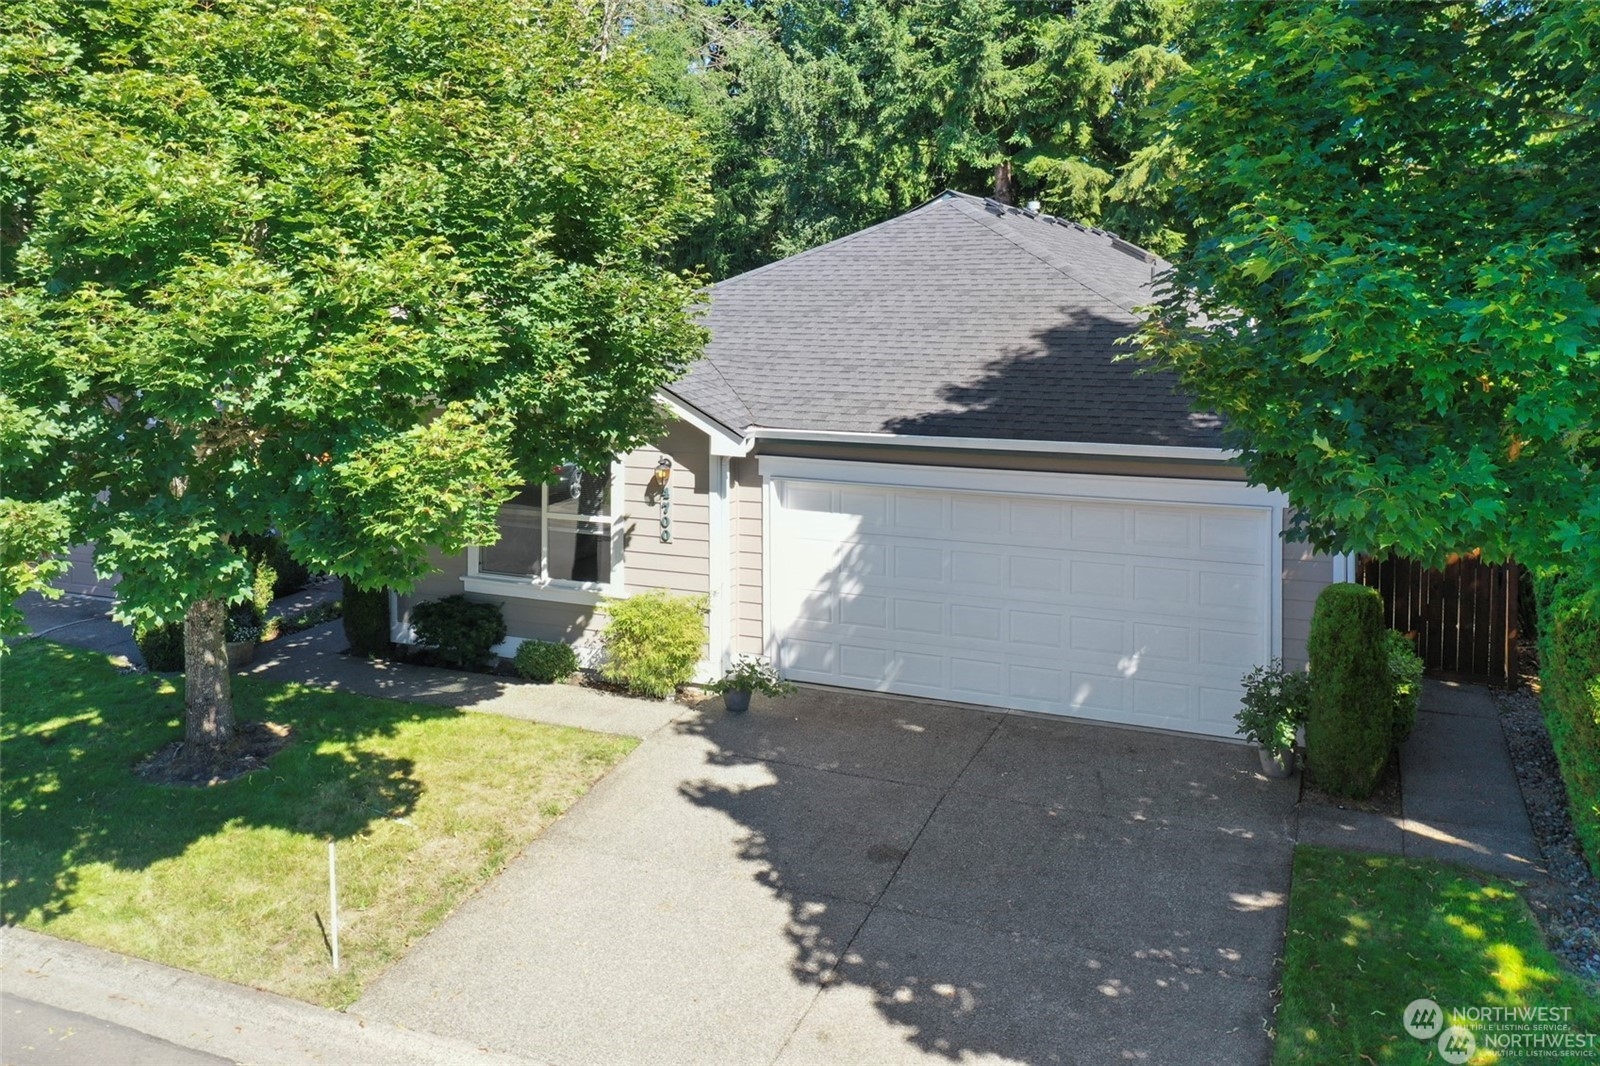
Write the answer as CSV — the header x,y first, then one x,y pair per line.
x,y
1460,800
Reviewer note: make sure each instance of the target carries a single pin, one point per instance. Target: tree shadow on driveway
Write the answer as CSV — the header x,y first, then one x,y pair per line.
x,y
1034,891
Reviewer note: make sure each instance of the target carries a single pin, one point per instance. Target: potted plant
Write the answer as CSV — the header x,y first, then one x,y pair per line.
x,y
241,631
1274,704
748,674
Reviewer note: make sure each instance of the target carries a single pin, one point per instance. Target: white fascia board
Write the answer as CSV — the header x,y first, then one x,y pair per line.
x,y
1024,482
723,440
991,444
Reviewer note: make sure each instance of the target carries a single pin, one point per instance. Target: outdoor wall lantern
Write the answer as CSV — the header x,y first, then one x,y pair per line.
x,y
662,479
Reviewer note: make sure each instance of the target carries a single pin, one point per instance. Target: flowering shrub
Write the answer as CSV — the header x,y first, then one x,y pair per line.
x,y
1275,702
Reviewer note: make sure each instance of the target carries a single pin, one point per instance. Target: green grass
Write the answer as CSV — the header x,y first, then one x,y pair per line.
x,y
425,804
1370,934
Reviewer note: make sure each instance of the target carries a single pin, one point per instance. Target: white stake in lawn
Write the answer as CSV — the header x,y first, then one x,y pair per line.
x,y
333,904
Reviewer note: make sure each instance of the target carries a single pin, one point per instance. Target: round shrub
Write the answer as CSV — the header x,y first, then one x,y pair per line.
x,y
543,661
161,646
366,620
463,632
1350,727
1405,682
653,641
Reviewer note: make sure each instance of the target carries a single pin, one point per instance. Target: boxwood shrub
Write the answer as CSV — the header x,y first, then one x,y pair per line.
x,y
463,632
1350,727
653,641
543,661
162,647
1569,669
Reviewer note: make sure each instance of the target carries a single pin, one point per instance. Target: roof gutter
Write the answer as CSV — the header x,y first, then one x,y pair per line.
x,y
992,444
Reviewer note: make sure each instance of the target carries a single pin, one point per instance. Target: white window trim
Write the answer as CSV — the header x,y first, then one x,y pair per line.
x,y
555,590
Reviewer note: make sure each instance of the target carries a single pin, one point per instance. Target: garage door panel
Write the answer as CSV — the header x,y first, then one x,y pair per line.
x,y
1135,613
917,563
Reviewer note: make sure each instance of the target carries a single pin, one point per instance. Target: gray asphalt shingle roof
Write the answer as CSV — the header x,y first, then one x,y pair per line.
x,y
962,318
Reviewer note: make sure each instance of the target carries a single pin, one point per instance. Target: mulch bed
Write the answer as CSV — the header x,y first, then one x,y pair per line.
x,y
254,743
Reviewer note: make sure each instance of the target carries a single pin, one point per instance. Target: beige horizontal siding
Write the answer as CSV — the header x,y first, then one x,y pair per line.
x,y
682,565
1305,574
744,511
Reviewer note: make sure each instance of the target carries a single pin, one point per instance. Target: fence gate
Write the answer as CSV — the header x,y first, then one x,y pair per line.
x,y
1463,618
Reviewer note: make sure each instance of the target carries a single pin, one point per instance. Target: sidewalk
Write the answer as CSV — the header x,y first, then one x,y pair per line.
x,y
1460,800
212,1017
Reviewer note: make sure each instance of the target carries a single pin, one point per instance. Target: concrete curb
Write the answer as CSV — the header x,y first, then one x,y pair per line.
x,y
203,1013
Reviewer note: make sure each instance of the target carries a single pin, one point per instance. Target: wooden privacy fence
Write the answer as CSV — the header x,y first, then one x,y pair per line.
x,y
1463,618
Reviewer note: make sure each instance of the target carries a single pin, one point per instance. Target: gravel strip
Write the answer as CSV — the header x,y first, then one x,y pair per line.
x,y
1568,903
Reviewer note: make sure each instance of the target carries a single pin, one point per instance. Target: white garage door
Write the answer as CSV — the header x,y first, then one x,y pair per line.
x,y
1146,613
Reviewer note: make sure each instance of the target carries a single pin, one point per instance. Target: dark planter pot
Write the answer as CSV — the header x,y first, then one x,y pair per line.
x,y
241,653
1277,764
736,699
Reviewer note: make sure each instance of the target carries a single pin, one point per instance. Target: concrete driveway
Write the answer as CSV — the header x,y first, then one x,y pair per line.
x,y
843,878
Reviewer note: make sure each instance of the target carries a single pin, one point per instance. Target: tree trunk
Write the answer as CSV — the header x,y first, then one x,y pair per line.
x,y
208,690
1005,188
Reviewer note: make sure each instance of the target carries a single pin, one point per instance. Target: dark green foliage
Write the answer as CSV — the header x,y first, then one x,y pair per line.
x,y
1350,729
1393,297
827,117
545,661
653,641
459,630
1569,667
289,574
161,646
1405,682
366,620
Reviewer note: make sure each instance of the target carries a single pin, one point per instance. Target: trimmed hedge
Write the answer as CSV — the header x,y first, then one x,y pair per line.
x,y
1350,727
463,632
366,619
162,647
545,662
1569,670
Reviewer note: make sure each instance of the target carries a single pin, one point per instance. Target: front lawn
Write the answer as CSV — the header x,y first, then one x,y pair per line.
x,y
424,803
1370,934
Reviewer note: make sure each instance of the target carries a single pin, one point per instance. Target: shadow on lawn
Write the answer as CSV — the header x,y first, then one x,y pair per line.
x,y
74,728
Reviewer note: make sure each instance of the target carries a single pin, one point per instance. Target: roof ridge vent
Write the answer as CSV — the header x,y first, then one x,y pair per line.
x,y
1130,249
994,205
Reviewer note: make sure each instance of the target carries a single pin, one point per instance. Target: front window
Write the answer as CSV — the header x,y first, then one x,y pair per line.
x,y
558,531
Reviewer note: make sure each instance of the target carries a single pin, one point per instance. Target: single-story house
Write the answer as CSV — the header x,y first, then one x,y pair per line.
x,y
910,461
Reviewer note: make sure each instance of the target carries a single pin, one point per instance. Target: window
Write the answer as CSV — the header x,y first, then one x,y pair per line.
x,y
559,534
